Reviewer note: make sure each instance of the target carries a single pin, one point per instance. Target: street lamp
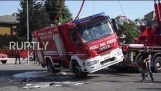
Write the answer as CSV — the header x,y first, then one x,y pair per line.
x,y
27,31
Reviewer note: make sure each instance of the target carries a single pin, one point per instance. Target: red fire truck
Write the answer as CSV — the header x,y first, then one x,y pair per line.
x,y
84,45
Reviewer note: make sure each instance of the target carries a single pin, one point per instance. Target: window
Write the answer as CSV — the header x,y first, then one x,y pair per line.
x,y
96,31
74,36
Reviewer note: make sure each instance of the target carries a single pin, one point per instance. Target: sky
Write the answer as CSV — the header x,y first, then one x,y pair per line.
x,y
131,9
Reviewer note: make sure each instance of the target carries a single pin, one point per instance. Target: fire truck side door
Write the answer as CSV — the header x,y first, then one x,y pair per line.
x,y
38,52
76,40
59,45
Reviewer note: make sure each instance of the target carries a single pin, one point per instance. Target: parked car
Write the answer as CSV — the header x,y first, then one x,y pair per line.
x,y
3,58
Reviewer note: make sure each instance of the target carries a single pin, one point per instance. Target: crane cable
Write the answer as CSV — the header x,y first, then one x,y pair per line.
x,y
62,5
80,10
121,8
93,7
58,14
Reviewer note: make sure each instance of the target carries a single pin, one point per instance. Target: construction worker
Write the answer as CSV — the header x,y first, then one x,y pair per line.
x,y
144,64
17,56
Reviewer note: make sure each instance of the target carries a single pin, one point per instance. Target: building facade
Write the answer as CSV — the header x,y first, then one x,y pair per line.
x,y
151,18
7,25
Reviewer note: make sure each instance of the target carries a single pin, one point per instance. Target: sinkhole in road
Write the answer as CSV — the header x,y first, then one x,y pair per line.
x,y
32,74
61,79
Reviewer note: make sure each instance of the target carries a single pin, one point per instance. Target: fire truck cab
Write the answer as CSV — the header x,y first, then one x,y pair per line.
x,y
84,45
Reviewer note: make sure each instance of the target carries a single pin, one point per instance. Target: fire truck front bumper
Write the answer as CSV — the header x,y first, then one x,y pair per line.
x,y
100,62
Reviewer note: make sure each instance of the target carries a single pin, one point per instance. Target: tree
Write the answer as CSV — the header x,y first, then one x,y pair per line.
x,y
53,7
37,17
129,30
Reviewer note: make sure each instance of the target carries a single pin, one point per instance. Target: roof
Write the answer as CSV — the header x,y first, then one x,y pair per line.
x,y
151,12
120,17
8,19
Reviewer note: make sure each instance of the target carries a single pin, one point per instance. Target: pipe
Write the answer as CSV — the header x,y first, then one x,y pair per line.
x,y
80,10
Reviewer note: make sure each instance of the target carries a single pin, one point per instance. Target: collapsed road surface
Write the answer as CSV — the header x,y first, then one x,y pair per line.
x,y
32,77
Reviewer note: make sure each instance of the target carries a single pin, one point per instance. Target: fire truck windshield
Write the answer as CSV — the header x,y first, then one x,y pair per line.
x,y
96,31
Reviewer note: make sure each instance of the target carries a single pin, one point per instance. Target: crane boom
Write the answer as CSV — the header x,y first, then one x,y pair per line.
x,y
157,7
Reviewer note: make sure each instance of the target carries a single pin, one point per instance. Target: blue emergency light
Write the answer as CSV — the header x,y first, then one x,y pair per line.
x,y
89,17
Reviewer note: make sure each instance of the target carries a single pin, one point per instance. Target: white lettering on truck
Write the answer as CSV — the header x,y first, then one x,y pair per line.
x,y
103,44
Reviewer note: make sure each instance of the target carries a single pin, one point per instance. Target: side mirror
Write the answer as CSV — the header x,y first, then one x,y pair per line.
x,y
115,25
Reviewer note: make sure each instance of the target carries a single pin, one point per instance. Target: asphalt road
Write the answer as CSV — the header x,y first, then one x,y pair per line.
x,y
104,80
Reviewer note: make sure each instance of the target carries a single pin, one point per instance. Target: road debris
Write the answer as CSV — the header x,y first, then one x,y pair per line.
x,y
54,84
38,85
64,73
78,84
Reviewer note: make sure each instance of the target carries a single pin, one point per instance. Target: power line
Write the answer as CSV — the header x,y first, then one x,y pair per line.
x,y
122,8
93,7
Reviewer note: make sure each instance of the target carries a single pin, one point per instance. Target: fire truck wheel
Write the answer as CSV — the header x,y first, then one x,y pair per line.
x,y
78,72
31,59
157,64
50,66
4,61
139,59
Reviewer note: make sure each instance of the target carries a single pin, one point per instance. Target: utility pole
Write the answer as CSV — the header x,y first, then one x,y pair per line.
x,y
27,31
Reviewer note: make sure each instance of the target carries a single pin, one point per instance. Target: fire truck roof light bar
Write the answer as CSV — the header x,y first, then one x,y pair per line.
x,y
90,17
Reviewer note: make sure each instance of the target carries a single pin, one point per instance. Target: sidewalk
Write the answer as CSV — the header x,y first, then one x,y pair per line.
x,y
12,60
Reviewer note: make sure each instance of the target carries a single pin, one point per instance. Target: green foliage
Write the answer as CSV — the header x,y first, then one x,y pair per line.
x,y
40,15
5,40
37,17
129,30
52,8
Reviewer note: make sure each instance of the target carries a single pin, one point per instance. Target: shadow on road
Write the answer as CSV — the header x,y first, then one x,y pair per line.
x,y
152,89
113,72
